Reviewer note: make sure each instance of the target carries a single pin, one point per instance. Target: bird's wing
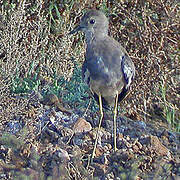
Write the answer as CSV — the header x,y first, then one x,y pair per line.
x,y
95,67
128,69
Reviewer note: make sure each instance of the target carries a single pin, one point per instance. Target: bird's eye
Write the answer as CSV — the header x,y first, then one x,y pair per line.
x,y
92,21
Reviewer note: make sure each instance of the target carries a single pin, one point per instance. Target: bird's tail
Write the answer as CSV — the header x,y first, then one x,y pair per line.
x,y
123,94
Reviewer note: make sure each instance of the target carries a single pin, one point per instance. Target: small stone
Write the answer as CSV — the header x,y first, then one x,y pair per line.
x,y
158,147
53,100
63,154
127,138
81,125
52,119
50,100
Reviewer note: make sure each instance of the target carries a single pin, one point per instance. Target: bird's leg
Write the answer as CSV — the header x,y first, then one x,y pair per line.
x,y
100,121
115,116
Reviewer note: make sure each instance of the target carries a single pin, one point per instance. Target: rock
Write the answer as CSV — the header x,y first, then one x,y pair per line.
x,y
81,125
158,147
52,100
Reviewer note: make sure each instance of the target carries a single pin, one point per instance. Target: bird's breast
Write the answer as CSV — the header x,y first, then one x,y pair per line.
x,y
107,91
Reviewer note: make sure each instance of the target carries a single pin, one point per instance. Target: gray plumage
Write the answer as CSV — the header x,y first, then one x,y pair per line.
x,y
107,68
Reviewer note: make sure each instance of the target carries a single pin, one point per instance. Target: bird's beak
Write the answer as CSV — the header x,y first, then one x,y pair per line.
x,y
76,29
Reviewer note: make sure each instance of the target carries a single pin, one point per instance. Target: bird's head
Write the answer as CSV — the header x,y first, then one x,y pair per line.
x,y
93,22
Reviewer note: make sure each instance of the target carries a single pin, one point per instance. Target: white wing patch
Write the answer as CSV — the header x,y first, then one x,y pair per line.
x,y
128,70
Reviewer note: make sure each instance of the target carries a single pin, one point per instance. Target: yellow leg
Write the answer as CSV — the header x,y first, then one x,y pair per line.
x,y
100,121
115,116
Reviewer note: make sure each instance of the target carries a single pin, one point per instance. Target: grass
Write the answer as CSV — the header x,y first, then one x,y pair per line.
x,y
73,92
25,84
50,60
169,109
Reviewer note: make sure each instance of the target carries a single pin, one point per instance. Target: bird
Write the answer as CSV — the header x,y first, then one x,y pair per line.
x,y
107,69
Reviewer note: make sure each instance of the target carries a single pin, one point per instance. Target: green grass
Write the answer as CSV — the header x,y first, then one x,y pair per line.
x,y
26,84
169,109
74,92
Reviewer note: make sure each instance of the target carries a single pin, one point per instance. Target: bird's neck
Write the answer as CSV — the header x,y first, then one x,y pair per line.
x,y
91,36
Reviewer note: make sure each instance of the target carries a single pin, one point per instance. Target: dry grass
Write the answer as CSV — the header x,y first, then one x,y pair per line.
x,y
36,50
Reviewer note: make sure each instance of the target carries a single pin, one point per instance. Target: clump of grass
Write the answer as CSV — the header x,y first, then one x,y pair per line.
x,y
74,91
25,84
169,109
